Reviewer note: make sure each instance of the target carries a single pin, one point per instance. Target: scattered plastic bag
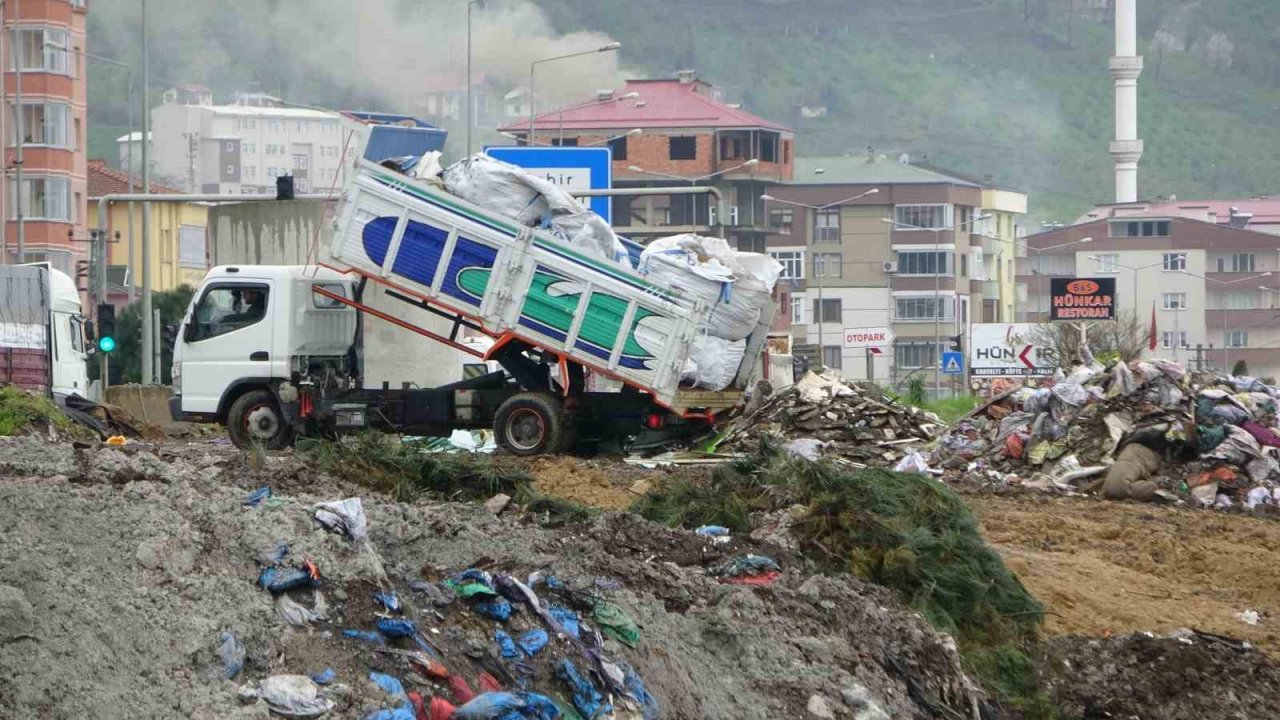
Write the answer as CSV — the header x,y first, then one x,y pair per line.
x,y
299,615
389,600
324,677
506,645
1257,496
295,696
807,448
232,653
638,693
256,497
616,623
533,641
508,706
566,618
586,698
344,516
913,462
279,581
402,707
712,363
497,608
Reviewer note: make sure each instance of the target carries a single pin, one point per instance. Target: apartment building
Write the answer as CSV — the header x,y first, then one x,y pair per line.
x,y
43,44
926,254
677,132
179,251
1211,284
242,147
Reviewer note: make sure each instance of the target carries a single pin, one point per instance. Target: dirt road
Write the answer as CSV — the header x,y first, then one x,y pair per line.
x,y
1103,567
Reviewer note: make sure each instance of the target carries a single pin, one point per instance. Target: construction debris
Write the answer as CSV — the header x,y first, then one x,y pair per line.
x,y
1140,430
829,416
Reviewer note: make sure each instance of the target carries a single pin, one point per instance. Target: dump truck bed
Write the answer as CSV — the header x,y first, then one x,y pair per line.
x,y
518,282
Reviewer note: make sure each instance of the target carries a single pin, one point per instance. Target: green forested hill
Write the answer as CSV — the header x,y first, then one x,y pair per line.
x,y
1017,89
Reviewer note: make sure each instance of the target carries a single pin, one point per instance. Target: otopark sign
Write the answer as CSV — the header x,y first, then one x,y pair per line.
x,y
1007,350
1078,299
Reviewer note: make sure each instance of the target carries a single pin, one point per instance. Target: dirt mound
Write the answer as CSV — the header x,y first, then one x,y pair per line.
x,y
1121,568
585,482
126,566
1190,677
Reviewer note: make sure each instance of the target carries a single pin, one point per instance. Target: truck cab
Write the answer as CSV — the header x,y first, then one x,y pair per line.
x,y
42,331
250,330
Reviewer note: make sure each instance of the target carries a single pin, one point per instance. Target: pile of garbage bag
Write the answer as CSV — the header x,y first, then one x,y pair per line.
x,y
733,287
826,415
1142,430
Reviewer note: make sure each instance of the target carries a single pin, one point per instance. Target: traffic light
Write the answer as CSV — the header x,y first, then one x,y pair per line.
x,y
170,339
106,327
956,344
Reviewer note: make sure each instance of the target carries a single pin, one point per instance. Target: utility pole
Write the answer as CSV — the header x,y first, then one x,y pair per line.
x,y
15,51
148,340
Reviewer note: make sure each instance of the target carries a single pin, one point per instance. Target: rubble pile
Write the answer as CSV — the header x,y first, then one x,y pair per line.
x,y
827,415
1140,430
224,600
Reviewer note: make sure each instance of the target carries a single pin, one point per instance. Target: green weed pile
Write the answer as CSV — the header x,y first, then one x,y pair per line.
x,y
22,411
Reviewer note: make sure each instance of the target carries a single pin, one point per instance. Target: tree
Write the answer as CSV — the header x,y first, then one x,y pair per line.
x,y
1162,42
1121,339
1219,51
127,357
1240,369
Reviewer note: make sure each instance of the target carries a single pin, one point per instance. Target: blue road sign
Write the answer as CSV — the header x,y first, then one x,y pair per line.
x,y
952,363
570,167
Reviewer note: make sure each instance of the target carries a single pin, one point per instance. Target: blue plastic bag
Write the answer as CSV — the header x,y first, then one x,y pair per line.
x,y
506,644
256,497
586,698
567,618
324,677
389,601
508,706
366,635
392,686
638,692
712,531
497,608
277,581
533,641
232,653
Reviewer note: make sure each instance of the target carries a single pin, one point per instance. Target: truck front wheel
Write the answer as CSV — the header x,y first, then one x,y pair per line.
x,y
530,424
255,419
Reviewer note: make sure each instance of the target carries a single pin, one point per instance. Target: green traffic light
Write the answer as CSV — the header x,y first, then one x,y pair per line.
x,y
106,344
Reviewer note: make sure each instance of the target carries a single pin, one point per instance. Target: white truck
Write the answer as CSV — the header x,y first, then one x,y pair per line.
x,y
274,352
42,331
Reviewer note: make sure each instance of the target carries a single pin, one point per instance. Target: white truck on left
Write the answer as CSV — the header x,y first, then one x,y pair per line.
x,y
42,331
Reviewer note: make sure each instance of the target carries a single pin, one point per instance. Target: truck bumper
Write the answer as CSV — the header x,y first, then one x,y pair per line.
x,y
176,413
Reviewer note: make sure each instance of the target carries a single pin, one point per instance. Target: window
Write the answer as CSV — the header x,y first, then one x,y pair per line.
x,y
271,149
792,263
1243,262
1175,262
683,148
43,199
1238,338
564,142
227,308
250,149
797,310
327,303
832,357
826,311
768,148
908,355
780,219
192,249
43,124
964,265
299,162
827,226
924,217
1167,339
43,50
924,263
618,146
1240,300
1108,262
922,309
828,265
1175,301
251,171
1140,228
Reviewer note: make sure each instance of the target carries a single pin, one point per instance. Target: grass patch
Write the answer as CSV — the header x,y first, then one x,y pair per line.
x,y
406,472
950,409
906,532
21,410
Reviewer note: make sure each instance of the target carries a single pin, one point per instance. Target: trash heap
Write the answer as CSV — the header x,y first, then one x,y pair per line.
x,y
474,644
1139,430
733,287
825,415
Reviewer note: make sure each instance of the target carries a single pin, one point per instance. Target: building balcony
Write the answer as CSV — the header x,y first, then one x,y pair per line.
x,y
923,283
991,288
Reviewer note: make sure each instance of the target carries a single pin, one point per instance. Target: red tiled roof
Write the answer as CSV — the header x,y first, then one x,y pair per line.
x,y
661,104
1265,210
105,181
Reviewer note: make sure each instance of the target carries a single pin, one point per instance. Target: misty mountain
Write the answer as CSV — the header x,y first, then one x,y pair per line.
x,y
1015,89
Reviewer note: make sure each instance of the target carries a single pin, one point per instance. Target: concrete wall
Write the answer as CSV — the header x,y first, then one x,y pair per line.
x,y
293,232
148,404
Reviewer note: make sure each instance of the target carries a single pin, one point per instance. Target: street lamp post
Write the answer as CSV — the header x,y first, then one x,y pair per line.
x,y
533,95
820,269
470,102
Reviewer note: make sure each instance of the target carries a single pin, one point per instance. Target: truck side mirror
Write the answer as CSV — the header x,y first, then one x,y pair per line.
x,y
189,332
89,335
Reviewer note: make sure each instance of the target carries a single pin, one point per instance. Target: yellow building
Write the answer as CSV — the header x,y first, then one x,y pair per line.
x,y
1000,232
179,248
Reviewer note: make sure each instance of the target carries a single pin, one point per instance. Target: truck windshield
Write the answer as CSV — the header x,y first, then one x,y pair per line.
x,y
228,308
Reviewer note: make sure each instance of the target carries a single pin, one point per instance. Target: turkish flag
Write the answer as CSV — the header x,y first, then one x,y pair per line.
x,y
1151,339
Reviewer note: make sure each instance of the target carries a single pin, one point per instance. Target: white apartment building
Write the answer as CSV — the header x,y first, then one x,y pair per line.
x,y
241,148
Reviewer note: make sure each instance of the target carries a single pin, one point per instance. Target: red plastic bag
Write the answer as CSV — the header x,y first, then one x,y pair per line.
x,y
763,578
488,683
1013,446
440,709
462,692
419,710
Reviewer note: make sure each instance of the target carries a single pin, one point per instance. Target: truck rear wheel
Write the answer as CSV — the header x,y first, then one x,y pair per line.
x,y
530,424
255,419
